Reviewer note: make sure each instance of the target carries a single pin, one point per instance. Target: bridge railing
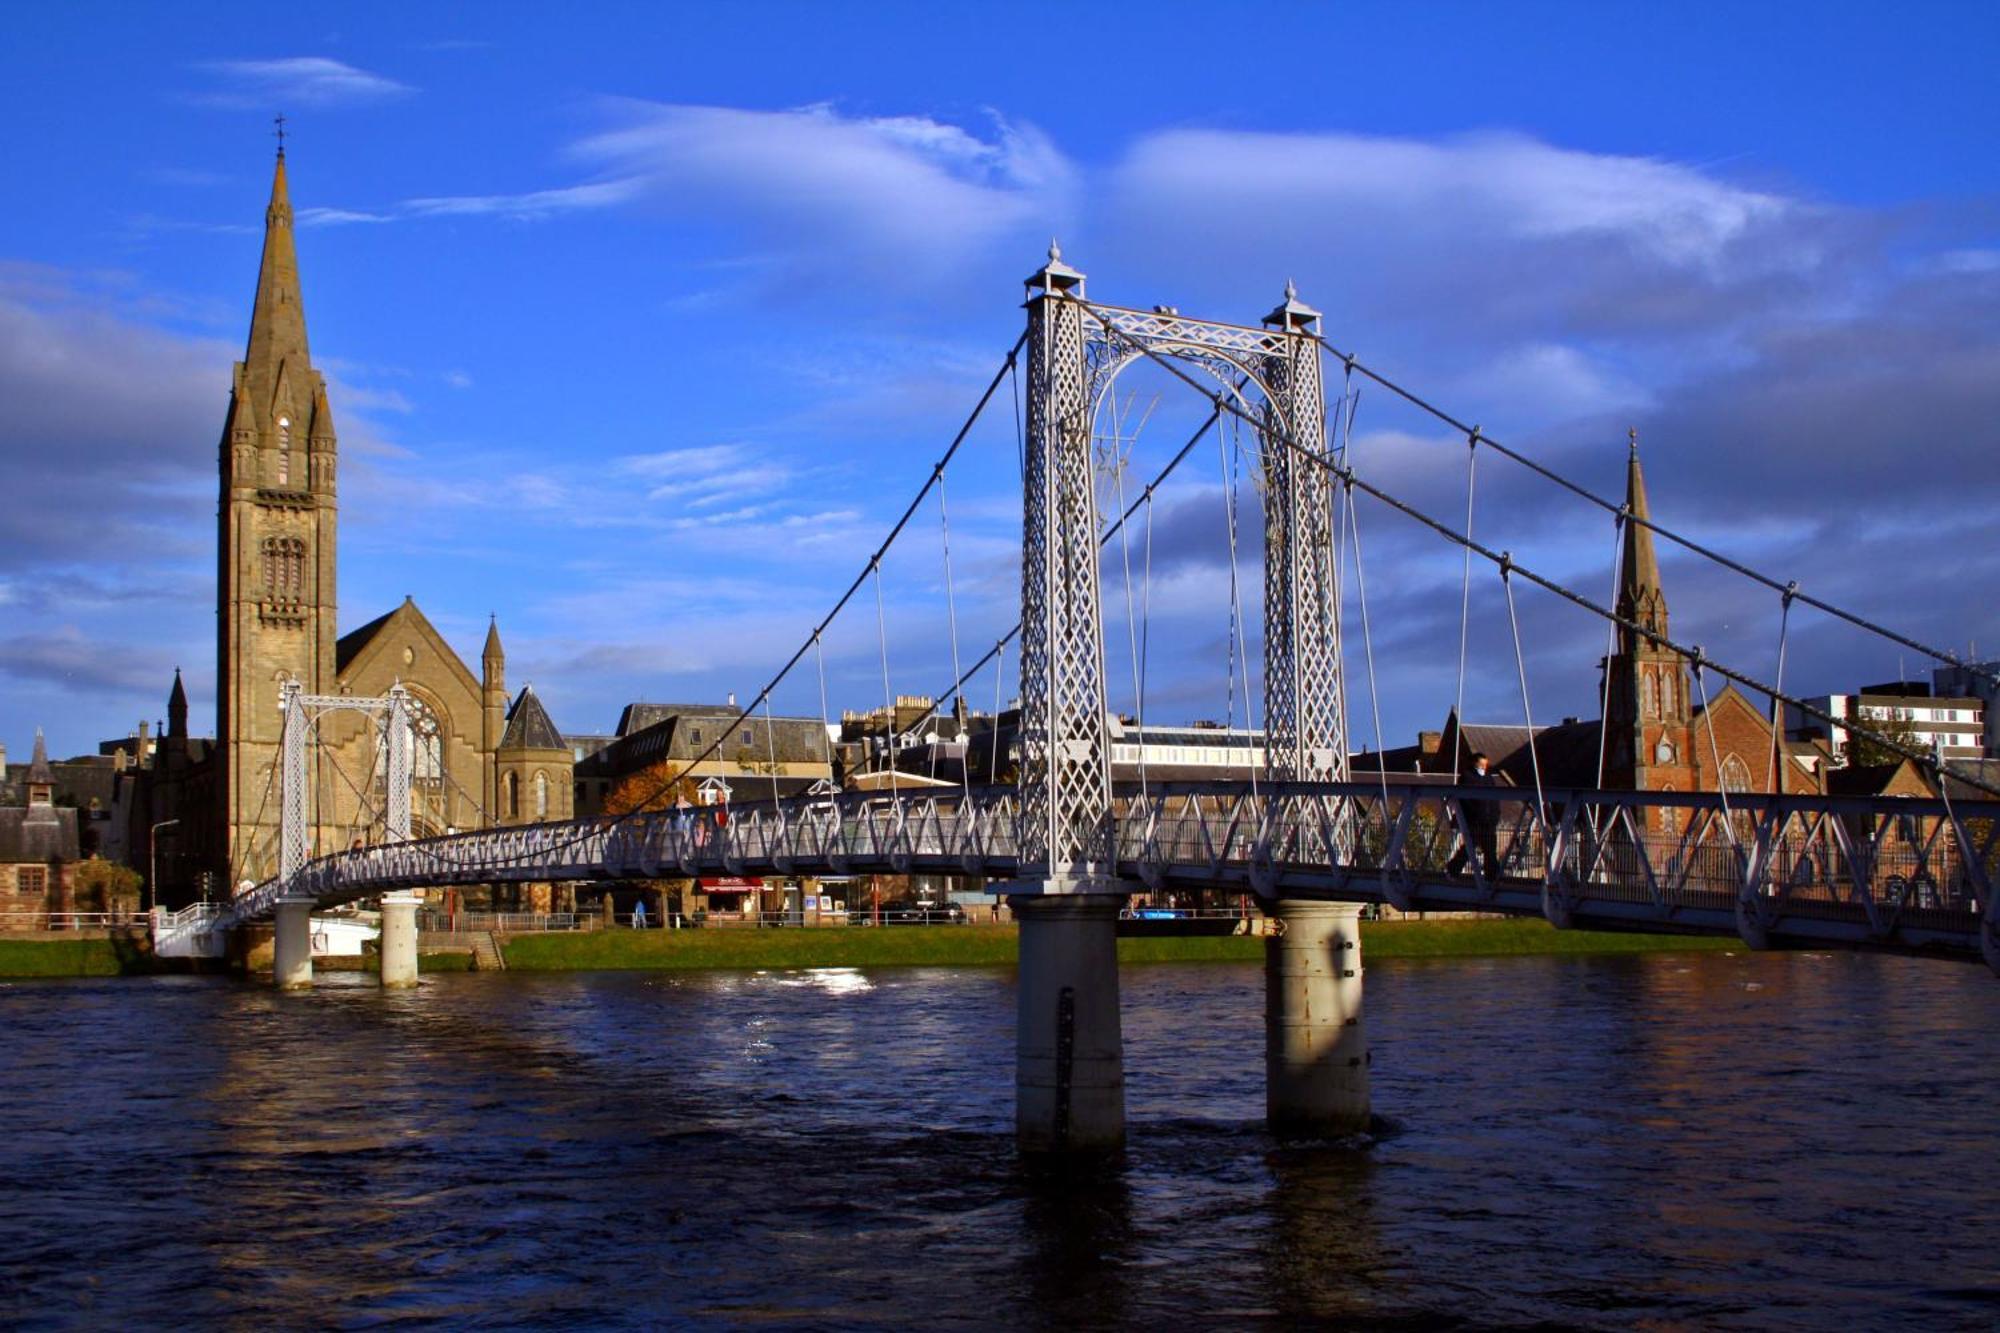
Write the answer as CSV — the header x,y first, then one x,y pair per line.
x,y
1884,866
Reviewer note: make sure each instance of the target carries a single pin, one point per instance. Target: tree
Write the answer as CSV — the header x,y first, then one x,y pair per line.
x,y
106,886
655,787
1864,749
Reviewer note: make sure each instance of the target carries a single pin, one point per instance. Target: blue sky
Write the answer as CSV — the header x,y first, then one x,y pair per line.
x,y
643,322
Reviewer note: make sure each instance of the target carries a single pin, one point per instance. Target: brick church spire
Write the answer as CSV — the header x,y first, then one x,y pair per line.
x,y
1647,708
1640,594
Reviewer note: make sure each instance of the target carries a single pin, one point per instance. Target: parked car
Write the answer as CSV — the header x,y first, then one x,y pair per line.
x,y
911,912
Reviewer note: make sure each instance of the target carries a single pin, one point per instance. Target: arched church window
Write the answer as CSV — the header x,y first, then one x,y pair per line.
x,y
1670,816
541,795
511,795
1735,774
1649,693
284,451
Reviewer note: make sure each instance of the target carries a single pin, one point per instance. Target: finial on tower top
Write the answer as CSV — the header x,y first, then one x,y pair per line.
x,y
1056,276
1294,316
1632,435
279,121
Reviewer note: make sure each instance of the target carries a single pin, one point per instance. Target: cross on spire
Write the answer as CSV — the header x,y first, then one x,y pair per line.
x,y
279,121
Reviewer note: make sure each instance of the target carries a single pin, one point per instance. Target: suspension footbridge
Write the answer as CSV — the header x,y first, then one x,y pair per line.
x,y
1310,836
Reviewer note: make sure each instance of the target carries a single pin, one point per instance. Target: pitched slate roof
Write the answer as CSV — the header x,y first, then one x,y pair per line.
x,y
37,835
528,725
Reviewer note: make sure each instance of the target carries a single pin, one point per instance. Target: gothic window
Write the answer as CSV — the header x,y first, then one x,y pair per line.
x,y
284,570
511,795
1735,774
541,795
284,451
426,745
1670,816
1649,695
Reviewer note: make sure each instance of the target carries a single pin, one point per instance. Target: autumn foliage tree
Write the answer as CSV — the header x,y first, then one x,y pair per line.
x,y
657,786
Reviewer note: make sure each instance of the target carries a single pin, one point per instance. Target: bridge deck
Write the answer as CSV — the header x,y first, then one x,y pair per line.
x,y
1901,874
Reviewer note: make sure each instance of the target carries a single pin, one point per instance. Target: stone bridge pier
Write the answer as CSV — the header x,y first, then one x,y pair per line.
x,y
1315,1047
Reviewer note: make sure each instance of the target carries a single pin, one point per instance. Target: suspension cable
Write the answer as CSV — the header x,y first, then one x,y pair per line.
x,y
1285,439
1131,613
1000,376
1367,639
1777,709
1527,712
1686,543
1715,752
951,612
1610,639
1464,595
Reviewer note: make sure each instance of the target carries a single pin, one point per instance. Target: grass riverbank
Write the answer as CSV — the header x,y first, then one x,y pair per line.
x,y
59,956
71,957
899,946
995,946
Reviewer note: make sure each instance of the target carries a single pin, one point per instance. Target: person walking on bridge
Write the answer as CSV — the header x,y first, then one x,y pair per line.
x,y
1482,822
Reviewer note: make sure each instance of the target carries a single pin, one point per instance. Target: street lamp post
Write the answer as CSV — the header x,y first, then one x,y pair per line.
x,y
153,862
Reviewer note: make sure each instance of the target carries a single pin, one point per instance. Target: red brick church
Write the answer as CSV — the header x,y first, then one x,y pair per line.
x,y
1656,734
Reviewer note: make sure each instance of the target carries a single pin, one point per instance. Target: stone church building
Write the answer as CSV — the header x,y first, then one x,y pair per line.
x,y
479,758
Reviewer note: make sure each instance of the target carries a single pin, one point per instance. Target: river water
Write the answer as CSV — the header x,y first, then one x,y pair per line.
x,y
1664,1140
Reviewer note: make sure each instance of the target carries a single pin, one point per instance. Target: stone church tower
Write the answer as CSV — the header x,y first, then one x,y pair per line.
x,y
275,545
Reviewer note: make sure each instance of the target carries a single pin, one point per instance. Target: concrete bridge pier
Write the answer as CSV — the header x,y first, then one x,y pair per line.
x,y
1315,1047
291,945
399,940
1069,1064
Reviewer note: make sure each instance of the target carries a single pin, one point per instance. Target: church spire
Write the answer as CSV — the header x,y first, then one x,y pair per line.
x,y
1640,594
276,359
177,708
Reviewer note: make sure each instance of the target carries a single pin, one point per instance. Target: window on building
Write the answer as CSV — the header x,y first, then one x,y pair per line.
x,y
284,570
284,451
511,795
694,735
1735,774
746,735
541,796
31,879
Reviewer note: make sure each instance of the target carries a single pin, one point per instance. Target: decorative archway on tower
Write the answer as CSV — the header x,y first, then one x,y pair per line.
x,y
1076,349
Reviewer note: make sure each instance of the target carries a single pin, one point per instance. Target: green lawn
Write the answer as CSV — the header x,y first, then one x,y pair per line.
x,y
896,946
69,958
992,946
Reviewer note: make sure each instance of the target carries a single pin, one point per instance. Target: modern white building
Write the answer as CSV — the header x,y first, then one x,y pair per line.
x,y
1950,727
1975,680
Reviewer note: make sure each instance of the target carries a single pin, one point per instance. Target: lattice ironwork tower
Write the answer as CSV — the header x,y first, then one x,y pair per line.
x,y
299,715
1305,716
1076,349
1065,770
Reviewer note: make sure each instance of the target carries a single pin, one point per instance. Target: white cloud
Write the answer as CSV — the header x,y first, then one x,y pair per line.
x,y
534,205
890,191
307,81
1502,184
